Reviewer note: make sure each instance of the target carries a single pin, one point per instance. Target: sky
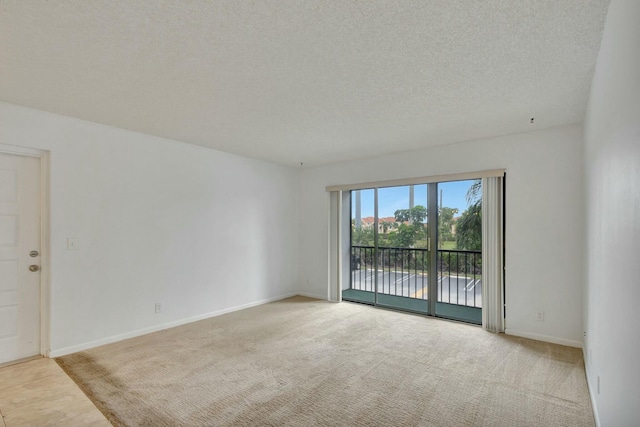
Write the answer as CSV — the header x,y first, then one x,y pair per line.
x,y
394,198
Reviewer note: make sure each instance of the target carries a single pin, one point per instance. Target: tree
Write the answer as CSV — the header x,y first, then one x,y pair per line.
x,y
416,214
469,229
410,226
361,236
446,224
404,237
469,226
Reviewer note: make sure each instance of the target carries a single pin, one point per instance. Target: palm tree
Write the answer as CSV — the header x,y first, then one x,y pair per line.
x,y
469,226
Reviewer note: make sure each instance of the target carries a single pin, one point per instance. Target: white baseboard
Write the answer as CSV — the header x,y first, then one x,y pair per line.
x,y
115,338
545,338
593,401
314,296
592,395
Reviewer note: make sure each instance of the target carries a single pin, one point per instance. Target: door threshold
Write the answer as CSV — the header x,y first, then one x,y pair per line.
x,y
17,361
414,312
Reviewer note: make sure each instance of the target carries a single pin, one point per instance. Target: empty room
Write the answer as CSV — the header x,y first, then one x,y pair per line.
x,y
319,213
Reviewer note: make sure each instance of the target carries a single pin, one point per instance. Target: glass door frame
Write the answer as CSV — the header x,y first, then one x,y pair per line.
x,y
432,255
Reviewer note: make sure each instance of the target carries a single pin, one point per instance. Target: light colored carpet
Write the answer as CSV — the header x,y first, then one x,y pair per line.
x,y
303,362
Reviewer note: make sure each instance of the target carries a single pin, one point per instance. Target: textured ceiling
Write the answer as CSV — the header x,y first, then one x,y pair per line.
x,y
293,81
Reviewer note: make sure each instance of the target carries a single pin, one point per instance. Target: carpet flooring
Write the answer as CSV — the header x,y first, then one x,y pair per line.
x,y
304,362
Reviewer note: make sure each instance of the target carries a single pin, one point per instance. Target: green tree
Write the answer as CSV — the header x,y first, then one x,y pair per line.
x,y
416,214
446,223
404,237
410,226
362,236
469,225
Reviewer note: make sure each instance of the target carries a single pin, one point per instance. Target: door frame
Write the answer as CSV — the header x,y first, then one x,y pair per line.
x,y
462,312
45,240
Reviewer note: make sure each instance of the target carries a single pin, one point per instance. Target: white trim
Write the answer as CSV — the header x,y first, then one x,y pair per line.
x,y
418,180
45,257
22,151
139,332
591,393
314,296
545,338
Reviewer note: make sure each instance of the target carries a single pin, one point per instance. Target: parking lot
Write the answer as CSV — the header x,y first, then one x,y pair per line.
x,y
451,289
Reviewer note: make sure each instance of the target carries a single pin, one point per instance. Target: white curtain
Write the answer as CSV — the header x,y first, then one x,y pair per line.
x,y
333,287
339,244
492,255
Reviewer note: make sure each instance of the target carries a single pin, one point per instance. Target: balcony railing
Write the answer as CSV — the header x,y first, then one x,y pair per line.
x,y
404,272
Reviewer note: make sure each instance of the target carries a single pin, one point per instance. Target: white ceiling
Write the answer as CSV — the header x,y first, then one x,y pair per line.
x,y
293,81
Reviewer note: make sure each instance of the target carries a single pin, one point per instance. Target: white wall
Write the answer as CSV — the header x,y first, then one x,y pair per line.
x,y
544,220
158,221
612,170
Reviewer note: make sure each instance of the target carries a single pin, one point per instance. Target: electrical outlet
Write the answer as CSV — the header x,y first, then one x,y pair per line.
x,y
158,307
540,316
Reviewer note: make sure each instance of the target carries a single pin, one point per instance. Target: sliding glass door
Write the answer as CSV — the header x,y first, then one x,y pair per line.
x,y
459,262
402,250
418,248
362,284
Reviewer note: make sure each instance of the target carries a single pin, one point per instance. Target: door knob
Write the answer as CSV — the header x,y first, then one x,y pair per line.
x,y
34,267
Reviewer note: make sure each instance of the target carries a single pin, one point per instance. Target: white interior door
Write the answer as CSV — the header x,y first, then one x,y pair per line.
x,y
19,257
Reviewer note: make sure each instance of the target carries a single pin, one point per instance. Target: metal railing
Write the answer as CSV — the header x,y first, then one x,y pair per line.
x,y
460,277
404,272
